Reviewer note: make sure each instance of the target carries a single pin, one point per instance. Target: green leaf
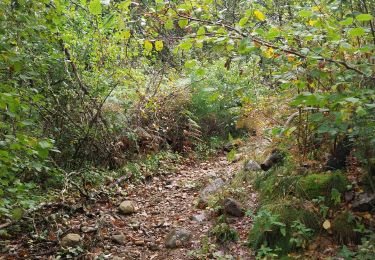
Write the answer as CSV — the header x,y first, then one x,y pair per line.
x,y
190,64
243,21
305,13
45,144
201,31
186,45
364,17
361,111
347,21
183,23
200,72
283,231
356,32
95,7
169,25
231,155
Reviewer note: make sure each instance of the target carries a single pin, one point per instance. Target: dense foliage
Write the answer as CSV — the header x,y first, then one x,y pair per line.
x,y
90,83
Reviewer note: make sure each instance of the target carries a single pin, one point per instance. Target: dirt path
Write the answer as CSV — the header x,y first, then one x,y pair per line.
x,y
166,202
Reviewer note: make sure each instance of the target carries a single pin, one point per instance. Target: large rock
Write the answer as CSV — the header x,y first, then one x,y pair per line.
x,y
233,208
364,202
209,190
127,207
71,240
177,238
252,166
274,158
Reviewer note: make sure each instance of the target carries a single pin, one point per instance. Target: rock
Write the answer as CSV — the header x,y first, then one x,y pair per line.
x,y
127,207
229,147
252,166
70,240
364,202
209,190
349,195
177,238
233,208
199,217
275,157
119,238
89,229
152,246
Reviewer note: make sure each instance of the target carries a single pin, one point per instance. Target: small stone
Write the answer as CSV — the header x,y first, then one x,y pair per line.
x,y
152,246
71,240
349,195
88,229
233,208
139,242
119,238
252,166
177,238
199,217
127,207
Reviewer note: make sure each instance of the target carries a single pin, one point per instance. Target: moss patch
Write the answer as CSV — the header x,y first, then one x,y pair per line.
x,y
321,184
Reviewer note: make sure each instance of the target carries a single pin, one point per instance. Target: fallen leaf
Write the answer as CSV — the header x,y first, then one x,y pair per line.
x,y
327,224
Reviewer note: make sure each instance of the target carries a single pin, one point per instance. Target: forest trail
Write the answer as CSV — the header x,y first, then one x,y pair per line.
x,y
169,202
165,202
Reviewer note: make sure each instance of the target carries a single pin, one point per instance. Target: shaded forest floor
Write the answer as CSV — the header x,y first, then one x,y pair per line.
x,y
162,203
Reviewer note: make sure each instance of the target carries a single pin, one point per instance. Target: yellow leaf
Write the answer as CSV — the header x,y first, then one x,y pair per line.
x,y
316,8
259,15
148,45
291,58
312,22
127,34
269,53
327,224
159,45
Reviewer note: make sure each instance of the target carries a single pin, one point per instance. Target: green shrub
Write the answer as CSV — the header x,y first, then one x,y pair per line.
x,y
224,233
283,224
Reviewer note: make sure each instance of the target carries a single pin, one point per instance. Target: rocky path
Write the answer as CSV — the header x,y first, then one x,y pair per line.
x,y
165,203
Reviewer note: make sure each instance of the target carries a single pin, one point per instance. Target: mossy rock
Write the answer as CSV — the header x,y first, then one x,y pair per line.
x,y
343,227
315,185
270,233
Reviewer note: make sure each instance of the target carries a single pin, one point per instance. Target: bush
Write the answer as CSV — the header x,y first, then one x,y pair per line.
x,y
224,233
283,224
